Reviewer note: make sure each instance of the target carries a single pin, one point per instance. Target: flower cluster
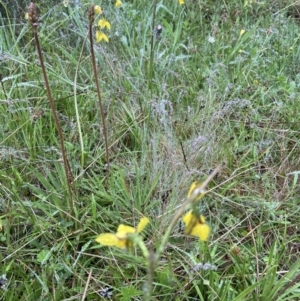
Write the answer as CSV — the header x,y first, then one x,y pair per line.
x,y
206,267
195,223
102,23
32,15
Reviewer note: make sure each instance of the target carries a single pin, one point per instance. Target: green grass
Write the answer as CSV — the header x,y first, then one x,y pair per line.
x,y
233,102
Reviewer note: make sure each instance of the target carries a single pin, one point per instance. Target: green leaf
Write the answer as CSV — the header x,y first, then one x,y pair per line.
x,y
43,256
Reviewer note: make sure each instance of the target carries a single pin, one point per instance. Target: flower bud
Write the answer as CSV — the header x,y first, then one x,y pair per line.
x,y
32,13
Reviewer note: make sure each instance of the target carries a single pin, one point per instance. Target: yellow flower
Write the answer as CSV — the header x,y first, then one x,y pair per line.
x,y
195,225
104,23
248,2
97,10
101,36
196,192
142,224
242,32
121,238
118,3
26,16
181,2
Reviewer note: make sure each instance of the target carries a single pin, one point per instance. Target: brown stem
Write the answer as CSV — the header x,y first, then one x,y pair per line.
x,y
33,19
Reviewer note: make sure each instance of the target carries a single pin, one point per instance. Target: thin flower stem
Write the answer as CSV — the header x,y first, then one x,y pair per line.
x,y
99,94
154,261
76,106
151,63
68,172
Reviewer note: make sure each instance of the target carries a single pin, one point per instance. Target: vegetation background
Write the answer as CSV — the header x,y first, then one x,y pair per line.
x,y
224,90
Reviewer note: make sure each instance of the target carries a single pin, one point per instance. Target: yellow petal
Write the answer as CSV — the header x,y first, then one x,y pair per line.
x,y
201,230
104,23
187,217
122,243
195,192
107,239
26,16
201,219
142,224
105,38
196,226
190,221
97,9
181,2
242,32
118,3
101,36
124,230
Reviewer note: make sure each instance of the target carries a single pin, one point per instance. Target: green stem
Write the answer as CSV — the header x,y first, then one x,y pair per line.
x,y
76,109
151,63
99,94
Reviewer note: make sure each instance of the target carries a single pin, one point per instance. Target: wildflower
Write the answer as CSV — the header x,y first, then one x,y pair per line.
x,y
97,9
26,16
195,225
248,2
181,2
106,292
101,36
206,266
3,281
104,23
211,39
196,192
242,32
122,238
118,3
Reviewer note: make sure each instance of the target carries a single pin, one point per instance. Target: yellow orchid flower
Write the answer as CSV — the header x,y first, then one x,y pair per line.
x,y
195,225
97,10
121,238
101,36
104,23
118,3
196,192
